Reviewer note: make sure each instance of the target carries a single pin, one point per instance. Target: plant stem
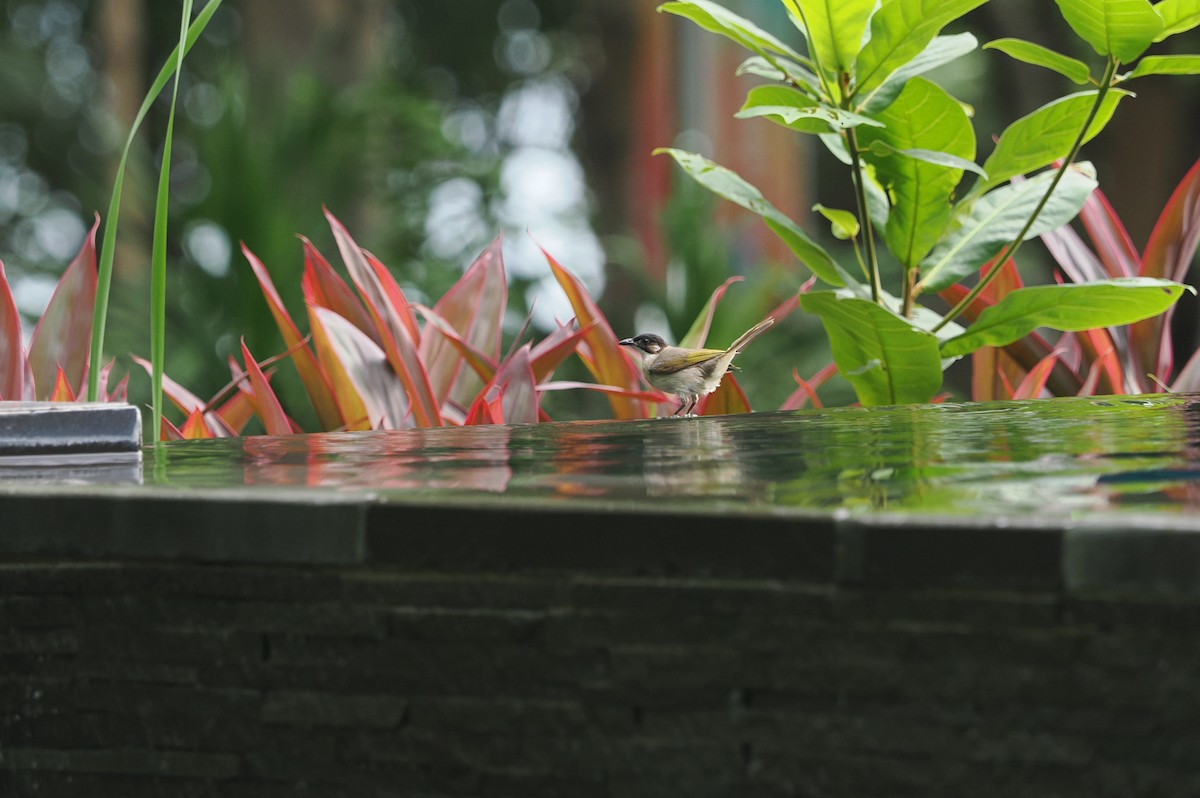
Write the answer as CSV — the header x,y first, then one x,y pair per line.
x,y
985,280
158,270
910,295
864,217
109,244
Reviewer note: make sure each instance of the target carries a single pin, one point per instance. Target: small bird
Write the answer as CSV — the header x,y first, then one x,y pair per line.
x,y
688,373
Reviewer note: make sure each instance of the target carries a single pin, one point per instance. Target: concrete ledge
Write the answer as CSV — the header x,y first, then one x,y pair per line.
x,y
611,539
209,526
1131,559
934,551
1158,555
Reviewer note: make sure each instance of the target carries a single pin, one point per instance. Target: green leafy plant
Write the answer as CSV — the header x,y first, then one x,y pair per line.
x,y
908,146
1133,359
1137,358
369,363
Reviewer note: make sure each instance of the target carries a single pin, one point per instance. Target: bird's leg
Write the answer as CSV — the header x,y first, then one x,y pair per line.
x,y
682,404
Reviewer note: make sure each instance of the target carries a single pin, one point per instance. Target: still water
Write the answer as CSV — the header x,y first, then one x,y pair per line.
x,y
1049,458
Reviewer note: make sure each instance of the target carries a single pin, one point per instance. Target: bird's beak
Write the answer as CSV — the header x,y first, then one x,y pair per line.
x,y
626,342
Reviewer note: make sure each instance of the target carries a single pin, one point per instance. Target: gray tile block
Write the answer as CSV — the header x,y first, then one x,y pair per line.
x,y
68,428
512,536
932,551
214,526
1126,558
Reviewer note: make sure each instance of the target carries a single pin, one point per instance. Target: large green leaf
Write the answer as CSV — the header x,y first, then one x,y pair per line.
x,y
1177,16
1119,28
795,110
942,50
1046,135
844,225
885,358
996,218
835,29
722,21
1166,65
1069,307
780,70
1030,53
930,156
732,187
900,31
923,117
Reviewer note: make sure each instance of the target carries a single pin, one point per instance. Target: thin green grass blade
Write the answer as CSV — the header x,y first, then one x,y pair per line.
x,y
158,259
109,246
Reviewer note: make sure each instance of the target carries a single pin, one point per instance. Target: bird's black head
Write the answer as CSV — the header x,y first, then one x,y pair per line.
x,y
647,342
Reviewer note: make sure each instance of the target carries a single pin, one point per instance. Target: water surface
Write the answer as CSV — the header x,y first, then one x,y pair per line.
x,y
1041,459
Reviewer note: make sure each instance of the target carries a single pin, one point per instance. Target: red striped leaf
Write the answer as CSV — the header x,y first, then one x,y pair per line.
x,y
515,388
550,353
604,357
195,428
1169,255
1035,381
808,389
169,431
570,385
361,374
483,365
63,336
119,393
392,316
728,399
1101,351
474,308
316,381
324,287
262,397
698,334
188,402
13,363
62,388
1111,239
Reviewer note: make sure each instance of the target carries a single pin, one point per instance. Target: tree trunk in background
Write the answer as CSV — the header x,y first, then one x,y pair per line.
x,y
623,186
284,38
659,77
121,28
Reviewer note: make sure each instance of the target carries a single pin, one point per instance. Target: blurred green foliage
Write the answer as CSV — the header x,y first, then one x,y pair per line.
x,y
272,129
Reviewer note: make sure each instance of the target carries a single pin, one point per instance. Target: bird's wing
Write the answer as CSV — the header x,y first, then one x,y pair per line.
x,y
684,360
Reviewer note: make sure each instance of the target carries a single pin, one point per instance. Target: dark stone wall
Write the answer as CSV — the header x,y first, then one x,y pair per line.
x,y
478,669
312,644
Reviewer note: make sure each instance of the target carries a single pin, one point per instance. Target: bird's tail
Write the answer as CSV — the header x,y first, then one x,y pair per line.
x,y
750,335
